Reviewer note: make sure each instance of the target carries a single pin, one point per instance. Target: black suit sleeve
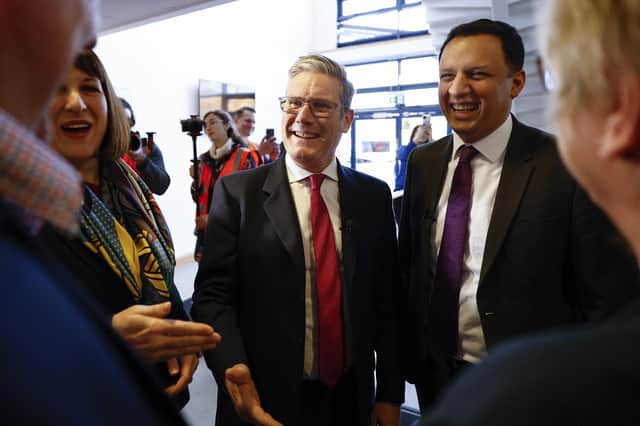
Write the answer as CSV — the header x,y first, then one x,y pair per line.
x,y
215,294
153,172
388,372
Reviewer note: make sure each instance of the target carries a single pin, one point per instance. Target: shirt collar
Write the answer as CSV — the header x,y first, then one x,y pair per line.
x,y
492,146
297,173
36,180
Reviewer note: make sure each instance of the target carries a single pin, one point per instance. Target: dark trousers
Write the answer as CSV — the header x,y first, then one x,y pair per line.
x,y
436,375
322,406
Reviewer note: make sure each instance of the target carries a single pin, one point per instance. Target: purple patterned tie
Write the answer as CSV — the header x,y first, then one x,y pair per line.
x,y
445,300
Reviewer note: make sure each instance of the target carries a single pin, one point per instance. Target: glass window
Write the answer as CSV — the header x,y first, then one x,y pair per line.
x,y
374,100
376,148
362,21
413,19
351,7
373,75
421,97
419,70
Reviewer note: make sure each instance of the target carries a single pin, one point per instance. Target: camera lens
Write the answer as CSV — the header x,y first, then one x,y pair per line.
x,y
134,142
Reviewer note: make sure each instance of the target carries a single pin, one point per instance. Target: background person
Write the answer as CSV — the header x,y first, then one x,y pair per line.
x,y
147,159
227,155
124,254
419,135
588,376
268,149
496,238
62,362
299,275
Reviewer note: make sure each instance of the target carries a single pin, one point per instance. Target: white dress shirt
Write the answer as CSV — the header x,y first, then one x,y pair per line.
x,y
487,168
301,191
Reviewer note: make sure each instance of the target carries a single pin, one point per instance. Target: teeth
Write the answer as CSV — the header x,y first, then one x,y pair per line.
x,y
464,107
76,126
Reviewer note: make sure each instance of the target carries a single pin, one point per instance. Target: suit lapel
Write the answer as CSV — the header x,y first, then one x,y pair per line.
x,y
516,170
435,174
348,193
280,209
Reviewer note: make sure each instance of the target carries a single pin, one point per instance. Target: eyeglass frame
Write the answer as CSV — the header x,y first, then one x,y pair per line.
x,y
308,101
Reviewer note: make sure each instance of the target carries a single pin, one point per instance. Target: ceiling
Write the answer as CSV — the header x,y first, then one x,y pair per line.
x,y
122,14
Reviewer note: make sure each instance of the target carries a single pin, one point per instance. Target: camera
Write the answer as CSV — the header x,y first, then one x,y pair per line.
x,y
135,142
269,134
426,119
192,125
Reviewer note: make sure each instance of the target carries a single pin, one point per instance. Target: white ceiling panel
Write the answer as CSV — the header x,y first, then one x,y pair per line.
x,y
123,14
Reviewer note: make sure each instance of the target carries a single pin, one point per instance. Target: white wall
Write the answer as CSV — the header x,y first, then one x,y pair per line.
x,y
247,42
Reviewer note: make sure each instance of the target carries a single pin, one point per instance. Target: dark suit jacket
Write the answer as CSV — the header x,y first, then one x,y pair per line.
x,y
586,377
250,287
551,256
60,360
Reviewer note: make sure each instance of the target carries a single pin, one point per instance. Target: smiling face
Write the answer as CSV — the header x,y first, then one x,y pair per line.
x,y
245,123
79,117
311,141
476,86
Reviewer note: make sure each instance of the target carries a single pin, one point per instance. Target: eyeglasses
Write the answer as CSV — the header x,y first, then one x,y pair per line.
x,y
319,107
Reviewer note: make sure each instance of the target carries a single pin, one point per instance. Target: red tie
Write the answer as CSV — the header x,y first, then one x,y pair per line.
x,y
329,288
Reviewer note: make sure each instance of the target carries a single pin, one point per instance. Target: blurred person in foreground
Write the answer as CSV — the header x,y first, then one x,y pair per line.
x,y
264,152
299,275
497,240
227,155
587,376
61,361
124,253
144,156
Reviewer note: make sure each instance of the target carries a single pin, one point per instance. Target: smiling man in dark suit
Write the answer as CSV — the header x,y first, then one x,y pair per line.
x,y
299,273
496,238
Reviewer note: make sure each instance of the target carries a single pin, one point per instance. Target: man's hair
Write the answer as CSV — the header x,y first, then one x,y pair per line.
x,y
238,113
116,137
323,65
127,107
225,117
512,45
587,44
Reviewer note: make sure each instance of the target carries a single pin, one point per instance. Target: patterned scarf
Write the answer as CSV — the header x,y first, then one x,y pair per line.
x,y
127,229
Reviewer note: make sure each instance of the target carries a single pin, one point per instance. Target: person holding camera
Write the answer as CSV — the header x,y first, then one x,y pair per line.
x,y
145,157
227,155
419,135
268,149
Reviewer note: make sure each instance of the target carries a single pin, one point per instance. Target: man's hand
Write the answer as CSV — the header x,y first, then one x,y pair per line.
x,y
269,146
185,366
385,414
138,156
159,339
245,398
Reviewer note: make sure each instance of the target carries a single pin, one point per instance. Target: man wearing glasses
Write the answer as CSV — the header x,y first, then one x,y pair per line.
x,y
300,337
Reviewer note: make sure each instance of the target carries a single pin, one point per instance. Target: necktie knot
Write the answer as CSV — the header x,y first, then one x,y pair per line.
x,y
467,152
316,180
